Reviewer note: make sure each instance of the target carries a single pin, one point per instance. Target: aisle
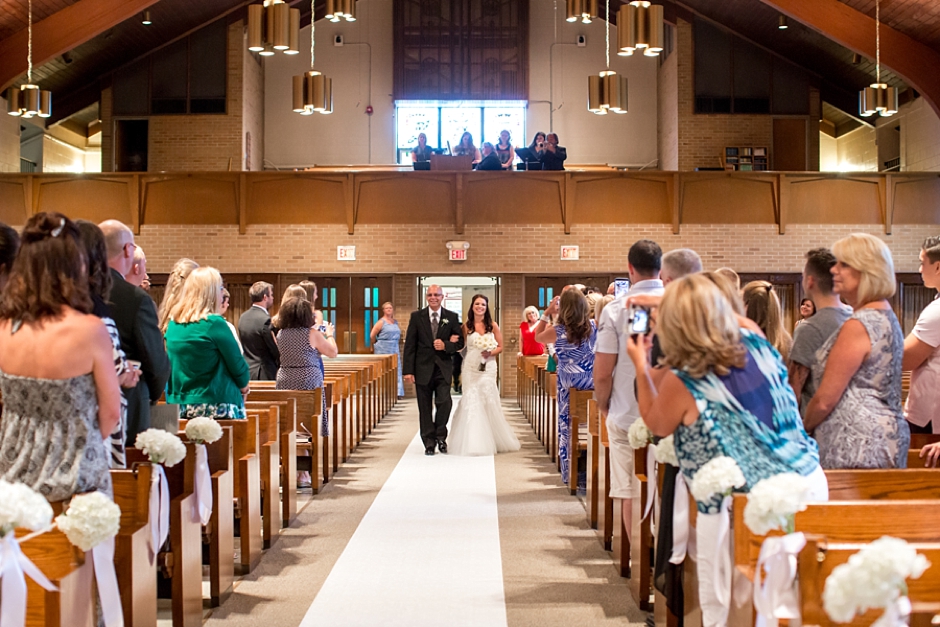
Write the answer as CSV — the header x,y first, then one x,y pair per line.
x,y
426,553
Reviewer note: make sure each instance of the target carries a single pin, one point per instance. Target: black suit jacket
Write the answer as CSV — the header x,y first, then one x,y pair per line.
x,y
261,353
490,162
553,160
135,316
420,357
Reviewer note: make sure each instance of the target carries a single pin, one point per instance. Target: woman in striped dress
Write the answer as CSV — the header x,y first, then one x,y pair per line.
x,y
574,337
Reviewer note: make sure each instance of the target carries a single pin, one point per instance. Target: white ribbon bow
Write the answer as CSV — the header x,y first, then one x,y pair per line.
x,y
202,511
103,559
896,614
722,577
159,510
13,566
680,521
652,493
777,596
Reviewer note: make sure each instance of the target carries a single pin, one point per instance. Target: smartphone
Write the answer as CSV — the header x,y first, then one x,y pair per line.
x,y
135,365
621,287
639,321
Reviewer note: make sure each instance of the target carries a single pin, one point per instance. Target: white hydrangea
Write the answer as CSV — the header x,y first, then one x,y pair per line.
x,y
666,452
639,434
90,520
485,342
162,447
203,430
872,578
719,476
21,506
773,502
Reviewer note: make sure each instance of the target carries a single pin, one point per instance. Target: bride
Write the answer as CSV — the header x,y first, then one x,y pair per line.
x,y
478,426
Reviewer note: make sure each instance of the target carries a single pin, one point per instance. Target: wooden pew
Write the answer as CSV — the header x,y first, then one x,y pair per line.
x,y
220,529
550,396
577,440
308,405
269,418
920,440
247,483
606,511
593,468
136,571
640,549
896,485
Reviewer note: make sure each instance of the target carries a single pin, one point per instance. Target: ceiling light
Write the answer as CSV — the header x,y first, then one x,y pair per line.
x,y
878,97
640,27
312,91
146,21
607,91
273,26
782,22
584,10
29,100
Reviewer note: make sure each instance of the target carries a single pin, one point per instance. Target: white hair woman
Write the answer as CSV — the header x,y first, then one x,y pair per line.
x,y
530,320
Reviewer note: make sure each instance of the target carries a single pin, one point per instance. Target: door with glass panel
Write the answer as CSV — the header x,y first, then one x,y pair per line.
x,y
367,295
539,290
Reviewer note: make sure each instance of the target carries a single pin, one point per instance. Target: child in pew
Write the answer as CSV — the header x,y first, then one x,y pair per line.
x,y
725,394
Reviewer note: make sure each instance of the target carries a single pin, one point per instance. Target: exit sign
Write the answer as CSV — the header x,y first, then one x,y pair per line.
x,y
345,253
458,254
569,253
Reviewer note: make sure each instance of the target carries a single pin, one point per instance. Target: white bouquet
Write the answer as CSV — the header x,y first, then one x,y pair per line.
x,y
719,476
203,430
638,434
90,520
162,447
773,502
872,578
21,506
485,343
665,452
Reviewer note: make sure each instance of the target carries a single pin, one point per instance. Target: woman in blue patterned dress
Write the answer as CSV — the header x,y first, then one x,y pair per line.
x,y
386,337
725,394
574,338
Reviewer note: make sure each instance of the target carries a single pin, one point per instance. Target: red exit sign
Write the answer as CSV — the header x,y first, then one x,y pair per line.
x,y
458,254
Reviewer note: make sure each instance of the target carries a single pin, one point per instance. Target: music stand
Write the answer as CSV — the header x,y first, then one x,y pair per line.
x,y
530,160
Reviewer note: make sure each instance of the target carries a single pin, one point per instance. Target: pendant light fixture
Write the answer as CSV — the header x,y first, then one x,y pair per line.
x,y
607,91
640,27
312,90
584,10
273,26
878,97
337,10
28,100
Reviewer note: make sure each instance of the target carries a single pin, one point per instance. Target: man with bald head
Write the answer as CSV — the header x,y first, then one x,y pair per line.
x,y
138,273
433,336
135,316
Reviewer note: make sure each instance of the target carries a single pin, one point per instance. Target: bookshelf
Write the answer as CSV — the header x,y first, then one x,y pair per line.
x,y
745,159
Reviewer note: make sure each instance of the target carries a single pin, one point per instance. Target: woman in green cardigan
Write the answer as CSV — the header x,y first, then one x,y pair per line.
x,y
209,376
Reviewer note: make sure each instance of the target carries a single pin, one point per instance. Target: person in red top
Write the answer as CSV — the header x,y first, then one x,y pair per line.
x,y
529,345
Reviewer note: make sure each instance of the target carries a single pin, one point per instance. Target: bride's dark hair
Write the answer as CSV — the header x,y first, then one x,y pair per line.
x,y
471,319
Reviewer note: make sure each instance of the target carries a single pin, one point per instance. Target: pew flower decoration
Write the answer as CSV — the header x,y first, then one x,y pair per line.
x,y
773,503
666,452
90,520
874,578
485,343
21,506
203,430
719,476
162,447
639,434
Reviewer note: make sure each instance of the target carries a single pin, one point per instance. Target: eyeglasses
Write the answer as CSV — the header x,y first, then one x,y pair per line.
x,y
441,295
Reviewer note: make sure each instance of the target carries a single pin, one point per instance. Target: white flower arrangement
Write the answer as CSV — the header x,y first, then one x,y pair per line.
x,y
90,520
872,578
638,434
21,506
719,476
162,447
484,343
665,452
773,502
203,430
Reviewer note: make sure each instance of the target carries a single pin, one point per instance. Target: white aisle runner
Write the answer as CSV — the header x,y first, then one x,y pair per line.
x,y
426,553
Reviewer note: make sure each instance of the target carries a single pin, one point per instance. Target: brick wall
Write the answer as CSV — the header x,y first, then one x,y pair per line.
x,y
920,137
668,114
9,140
857,150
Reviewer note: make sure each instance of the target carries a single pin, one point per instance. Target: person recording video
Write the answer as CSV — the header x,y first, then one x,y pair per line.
x,y
551,154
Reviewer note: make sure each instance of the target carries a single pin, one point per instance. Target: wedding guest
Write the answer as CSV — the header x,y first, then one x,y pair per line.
x,y
61,399
466,147
856,411
138,273
537,141
811,335
807,310
679,263
174,288
386,339
599,310
326,328
226,303
9,246
530,320
922,350
505,151
725,394
553,156
490,159
135,315
574,337
422,152
763,307
257,339
209,376
301,345
732,276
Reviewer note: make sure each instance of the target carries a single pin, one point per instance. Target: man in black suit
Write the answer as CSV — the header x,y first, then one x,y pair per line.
x,y
427,363
135,315
254,330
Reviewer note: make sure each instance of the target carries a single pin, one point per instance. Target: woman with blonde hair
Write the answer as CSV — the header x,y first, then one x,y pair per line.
x,y
209,375
173,290
762,305
856,410
725,394
530,320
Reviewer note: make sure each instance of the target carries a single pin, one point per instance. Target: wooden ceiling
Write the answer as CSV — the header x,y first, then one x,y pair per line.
x,y
918,19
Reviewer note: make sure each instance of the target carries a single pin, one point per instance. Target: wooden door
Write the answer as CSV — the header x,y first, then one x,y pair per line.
x,y
539,290
790,144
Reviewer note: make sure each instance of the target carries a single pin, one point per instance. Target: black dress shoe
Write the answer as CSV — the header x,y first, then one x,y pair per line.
x,y
429,451
442,446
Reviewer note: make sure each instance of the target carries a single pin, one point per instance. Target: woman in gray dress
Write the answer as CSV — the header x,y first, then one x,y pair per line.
x,y
856,411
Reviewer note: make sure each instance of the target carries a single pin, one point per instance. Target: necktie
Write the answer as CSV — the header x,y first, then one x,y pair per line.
x,y
434,325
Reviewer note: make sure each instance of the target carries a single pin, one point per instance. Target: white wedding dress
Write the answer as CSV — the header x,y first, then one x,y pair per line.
x,y
478,427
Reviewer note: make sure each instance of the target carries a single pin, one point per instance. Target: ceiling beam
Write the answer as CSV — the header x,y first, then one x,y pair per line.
x,y
62,31
913,61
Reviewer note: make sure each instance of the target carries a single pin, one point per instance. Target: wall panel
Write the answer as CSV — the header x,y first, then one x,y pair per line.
x,y
88,197
835,200
295,199
728,199
189,199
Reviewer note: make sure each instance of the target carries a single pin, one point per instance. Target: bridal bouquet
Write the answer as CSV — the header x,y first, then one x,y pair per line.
x,y
773,502
719,476
874,578
90,520
162,447
665,451
21,506
203,430
638,434
485,343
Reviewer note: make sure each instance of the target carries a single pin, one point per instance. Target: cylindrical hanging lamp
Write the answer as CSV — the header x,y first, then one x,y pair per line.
x,y
607,91
294,33
273,26
29,100
595,92
640,26
255,26
878,97
281,17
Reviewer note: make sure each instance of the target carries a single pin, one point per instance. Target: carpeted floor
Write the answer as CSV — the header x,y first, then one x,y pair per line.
x,y
555,571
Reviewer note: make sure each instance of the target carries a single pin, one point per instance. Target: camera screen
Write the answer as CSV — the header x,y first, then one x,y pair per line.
x,y
641,322
621,287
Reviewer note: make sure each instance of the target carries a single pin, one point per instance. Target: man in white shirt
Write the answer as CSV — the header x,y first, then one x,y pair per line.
x,y
922,350
614,374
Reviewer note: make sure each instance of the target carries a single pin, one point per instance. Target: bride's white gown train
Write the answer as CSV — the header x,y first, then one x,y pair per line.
x,y
478,427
